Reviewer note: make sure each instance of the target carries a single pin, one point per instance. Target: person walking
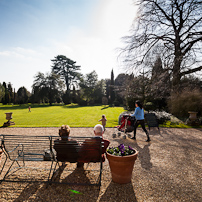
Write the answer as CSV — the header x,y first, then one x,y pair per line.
x,y
139,116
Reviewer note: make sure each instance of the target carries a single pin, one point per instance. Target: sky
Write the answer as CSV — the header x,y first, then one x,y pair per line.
x,y
32,32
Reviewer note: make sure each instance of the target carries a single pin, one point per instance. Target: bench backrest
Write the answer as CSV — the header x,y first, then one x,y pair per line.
x,y
27,148
35,148
79,149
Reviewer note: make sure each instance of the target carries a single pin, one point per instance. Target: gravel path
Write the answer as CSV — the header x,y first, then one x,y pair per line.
x,y
169,168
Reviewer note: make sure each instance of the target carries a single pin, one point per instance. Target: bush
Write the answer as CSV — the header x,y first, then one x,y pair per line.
x,y
187,100
130,103
116,103
83,103
162,116
149,106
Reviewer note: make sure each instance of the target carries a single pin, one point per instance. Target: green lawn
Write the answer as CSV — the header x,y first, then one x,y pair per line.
x,y
55,116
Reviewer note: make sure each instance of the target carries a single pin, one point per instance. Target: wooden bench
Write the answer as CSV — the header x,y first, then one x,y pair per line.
x,y
19,149
79,149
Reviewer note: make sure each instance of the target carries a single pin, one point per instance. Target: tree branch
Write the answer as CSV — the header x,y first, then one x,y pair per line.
x,y
191,71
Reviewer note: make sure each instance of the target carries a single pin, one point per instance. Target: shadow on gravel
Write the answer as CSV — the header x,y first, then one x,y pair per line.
x,y
119,192
144,156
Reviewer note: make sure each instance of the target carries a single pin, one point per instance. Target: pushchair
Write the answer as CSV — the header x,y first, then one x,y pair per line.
x,y
127,123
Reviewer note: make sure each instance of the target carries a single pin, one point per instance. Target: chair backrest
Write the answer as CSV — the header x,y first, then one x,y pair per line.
x,y
151,120
91,150
66,150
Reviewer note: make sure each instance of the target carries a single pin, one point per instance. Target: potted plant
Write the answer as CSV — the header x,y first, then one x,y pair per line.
x,y
121,161
192,115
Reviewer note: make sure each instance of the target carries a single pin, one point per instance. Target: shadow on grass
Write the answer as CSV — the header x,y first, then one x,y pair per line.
x,y
24,106
87,106
74,106
105,107
3,126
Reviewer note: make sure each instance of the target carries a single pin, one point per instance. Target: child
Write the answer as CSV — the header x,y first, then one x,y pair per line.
x,y
103,119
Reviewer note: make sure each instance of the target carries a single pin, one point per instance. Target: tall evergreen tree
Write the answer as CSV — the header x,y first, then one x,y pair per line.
x,y
22,95
10,92
14,97
160,81
6,98
2,92
68,71
112,93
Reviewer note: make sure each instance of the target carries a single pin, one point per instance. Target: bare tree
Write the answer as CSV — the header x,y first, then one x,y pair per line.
x,y
171,29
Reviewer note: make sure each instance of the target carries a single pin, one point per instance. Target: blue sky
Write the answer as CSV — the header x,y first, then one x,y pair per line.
x,y
35,31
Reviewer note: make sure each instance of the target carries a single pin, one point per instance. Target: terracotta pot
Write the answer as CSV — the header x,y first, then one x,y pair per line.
x,y
121,167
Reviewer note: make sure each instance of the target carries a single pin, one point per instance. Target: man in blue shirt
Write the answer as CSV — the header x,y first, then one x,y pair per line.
x,y
139,116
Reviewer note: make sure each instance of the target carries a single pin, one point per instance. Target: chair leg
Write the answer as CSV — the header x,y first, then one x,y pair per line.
x,y
3,165
50,171
51,179
8,170
100,177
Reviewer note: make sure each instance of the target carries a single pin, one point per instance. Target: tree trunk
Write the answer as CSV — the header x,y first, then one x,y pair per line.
x,y
176,77
177,65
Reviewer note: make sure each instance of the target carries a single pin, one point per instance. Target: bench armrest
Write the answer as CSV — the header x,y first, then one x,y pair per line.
x,y
19,152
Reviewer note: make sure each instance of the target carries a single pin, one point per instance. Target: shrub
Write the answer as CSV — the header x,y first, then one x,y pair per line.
x,y
149,106
162,116
130,102
187,100
116,103
83,103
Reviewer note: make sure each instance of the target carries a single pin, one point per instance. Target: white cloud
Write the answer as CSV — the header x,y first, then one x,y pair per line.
x,y
93,47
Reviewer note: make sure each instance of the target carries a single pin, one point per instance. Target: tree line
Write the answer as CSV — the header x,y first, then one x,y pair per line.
x,y
65,84
8,94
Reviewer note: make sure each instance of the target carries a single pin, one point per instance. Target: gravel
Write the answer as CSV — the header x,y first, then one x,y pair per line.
x,y
169,168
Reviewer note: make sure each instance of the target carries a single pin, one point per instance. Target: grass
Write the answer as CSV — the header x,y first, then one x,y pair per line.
x,y
72,115
55,116
169,124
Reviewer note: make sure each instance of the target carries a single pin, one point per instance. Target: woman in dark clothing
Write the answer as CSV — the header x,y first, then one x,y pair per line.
x,y
139,116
